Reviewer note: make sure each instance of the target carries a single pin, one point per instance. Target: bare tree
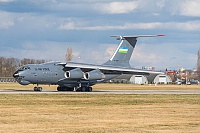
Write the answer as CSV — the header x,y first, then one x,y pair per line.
x,y
38,62
69,54
9,65
1,66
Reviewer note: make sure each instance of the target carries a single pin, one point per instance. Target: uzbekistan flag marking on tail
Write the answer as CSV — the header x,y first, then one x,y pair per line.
x,y
123,50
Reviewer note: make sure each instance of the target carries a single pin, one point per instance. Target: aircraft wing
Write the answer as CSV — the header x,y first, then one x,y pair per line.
x,y
108,69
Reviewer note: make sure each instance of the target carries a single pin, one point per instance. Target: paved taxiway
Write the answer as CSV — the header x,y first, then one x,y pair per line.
x,y
104,92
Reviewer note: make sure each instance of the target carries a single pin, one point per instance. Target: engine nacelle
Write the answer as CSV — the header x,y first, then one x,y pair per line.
x,y
76,73
94,75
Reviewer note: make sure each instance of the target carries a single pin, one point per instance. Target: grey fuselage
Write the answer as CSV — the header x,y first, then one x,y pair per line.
x,y
55,74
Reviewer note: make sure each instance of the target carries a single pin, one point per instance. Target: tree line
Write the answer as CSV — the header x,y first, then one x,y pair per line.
x,y
9,65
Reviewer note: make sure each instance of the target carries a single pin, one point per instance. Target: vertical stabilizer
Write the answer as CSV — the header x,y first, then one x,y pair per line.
x,y
124,51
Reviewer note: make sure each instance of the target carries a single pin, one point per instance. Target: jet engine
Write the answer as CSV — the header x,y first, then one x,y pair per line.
x,y
94,75
76,73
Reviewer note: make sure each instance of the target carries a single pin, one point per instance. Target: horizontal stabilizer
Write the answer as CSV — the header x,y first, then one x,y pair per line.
x,y
118,37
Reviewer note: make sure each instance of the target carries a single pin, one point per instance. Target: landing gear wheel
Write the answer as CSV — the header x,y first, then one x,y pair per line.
x,y
79,89
58,88
84,89
70,89
63,88
37,89
89,89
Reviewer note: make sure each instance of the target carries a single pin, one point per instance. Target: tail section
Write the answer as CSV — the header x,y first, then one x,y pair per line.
x,y
124,51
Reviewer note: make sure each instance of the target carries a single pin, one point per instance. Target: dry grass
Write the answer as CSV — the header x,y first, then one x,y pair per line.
x,y
145,87
99,113
16,86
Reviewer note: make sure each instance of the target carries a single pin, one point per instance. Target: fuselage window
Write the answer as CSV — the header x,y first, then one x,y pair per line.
x,y
24,68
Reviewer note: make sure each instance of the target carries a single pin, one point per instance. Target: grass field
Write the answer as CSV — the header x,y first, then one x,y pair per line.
x,y
99,113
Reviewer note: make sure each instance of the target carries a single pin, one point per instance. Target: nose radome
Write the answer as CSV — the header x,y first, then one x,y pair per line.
x,y
16,74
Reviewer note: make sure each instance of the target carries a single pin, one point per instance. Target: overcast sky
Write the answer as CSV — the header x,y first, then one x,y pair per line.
x,y
44,29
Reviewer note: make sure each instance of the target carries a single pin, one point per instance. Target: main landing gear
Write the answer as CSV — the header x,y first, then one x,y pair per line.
x,y
78,89
63,88
84,89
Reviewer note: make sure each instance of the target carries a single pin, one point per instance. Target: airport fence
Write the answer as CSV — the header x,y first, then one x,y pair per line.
x,y
7,79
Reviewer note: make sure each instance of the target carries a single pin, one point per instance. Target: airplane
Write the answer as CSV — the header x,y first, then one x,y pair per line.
x,y
72,76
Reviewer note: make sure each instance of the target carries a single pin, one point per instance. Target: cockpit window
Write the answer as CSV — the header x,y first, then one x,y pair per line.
x,y
24,68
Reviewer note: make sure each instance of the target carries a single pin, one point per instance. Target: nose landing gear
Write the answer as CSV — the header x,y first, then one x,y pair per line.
x,y
37,88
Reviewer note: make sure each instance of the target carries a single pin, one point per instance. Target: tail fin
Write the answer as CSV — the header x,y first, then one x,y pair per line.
x,y
124,51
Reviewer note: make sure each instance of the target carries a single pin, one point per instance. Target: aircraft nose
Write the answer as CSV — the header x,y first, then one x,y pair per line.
x,y
16,74
20,78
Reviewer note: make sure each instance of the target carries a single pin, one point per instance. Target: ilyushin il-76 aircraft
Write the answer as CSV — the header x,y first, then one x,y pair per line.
x,y
72,76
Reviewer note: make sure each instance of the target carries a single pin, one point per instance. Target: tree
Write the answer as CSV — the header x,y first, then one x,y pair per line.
x,y
9,65
198,64
69,54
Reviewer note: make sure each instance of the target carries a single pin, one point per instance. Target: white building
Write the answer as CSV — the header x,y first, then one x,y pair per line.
x,y
138,79
162,79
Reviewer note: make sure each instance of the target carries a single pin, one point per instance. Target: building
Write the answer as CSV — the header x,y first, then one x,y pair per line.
x,y
138,79
142,79
162,79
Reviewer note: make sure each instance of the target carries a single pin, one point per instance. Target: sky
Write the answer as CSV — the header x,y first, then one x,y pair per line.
x,y
44,29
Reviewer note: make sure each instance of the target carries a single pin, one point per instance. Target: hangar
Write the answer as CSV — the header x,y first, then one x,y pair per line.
x,y
162,79
138,79
141,79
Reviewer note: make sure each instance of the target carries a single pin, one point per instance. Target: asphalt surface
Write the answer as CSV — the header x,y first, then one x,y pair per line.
x,y
104,92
